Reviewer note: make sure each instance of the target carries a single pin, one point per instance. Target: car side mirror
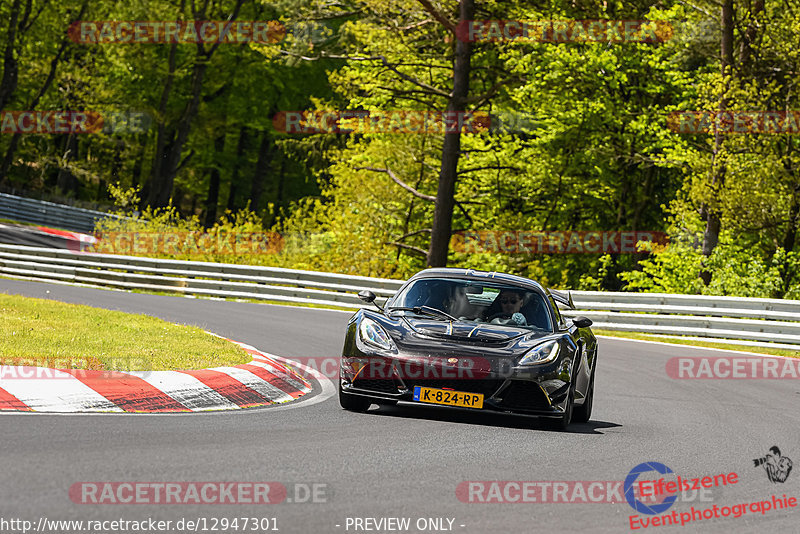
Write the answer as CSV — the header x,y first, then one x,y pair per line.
x,y
367,296
582,322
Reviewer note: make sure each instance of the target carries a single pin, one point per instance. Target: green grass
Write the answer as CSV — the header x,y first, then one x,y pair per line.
x,y
48,333
695,343
23,223
11,221
241,299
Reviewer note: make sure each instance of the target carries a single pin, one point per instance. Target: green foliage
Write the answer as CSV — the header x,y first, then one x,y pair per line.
x,y
736,271
245,85
675,270
154,225
592,151
125,199
588,282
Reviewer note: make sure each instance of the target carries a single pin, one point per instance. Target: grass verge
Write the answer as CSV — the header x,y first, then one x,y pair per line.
x,y
242,299
695,343
49,333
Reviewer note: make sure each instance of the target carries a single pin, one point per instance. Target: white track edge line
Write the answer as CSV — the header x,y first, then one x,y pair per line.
x,y
695,347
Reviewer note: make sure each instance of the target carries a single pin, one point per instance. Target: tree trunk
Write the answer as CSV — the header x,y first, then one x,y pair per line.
x,y
451,150
713,221
749,38
170,164
788,244
794,221
260,173
136,173
167,167
8,84
241,149
163,135
213,184
161,194
790,237
66,181
278,204
12,146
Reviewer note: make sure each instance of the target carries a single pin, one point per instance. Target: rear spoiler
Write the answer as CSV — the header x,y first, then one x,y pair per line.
x,y
563,297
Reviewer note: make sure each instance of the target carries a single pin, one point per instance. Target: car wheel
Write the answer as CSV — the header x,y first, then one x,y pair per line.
x,y
353,403
564,421
584,413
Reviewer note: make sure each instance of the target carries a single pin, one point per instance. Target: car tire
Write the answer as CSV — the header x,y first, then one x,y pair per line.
x,y
563,422
353,403
584,413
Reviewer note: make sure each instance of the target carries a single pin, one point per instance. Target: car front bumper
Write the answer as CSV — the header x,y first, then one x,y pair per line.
x,y
532,390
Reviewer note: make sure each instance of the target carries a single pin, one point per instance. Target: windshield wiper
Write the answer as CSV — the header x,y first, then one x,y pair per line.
x,y
423,310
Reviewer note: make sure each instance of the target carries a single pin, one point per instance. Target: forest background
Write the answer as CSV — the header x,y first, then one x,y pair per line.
x,y
585,146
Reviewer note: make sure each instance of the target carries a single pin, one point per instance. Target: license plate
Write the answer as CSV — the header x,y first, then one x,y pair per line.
x,y
447,397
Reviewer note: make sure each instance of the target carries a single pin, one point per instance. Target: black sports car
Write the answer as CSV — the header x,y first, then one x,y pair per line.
x,y
471,339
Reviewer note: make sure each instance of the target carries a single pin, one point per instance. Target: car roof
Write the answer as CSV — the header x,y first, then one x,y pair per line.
x,y
480,276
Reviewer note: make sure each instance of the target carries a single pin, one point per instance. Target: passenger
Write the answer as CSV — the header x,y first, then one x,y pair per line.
x,y
511,302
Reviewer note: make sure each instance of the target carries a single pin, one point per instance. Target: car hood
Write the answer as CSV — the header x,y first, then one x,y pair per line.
x,y
468,332
487,347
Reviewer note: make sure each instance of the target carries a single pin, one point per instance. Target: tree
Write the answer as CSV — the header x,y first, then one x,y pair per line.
x,y
171,139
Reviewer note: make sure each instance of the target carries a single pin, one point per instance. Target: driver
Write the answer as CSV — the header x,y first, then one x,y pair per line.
x,y
450,298
459,305
511,302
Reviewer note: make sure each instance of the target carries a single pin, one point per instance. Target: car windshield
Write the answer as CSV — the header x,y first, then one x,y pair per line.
x,y
477,302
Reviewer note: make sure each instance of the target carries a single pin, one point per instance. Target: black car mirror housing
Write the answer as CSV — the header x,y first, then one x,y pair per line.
x,y
582,322
367,296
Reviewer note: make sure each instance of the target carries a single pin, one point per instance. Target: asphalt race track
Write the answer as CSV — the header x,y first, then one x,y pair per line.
x,y
404,461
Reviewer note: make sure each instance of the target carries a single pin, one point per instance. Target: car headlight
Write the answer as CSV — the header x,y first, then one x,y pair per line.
x,y
373,334
544,353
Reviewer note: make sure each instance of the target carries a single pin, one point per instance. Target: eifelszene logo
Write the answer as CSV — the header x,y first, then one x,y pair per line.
x,y
630,486
777,467
652,497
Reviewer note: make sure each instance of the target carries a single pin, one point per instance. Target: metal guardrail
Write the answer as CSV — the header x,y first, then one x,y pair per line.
x,y
754,320
50,214
191,278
